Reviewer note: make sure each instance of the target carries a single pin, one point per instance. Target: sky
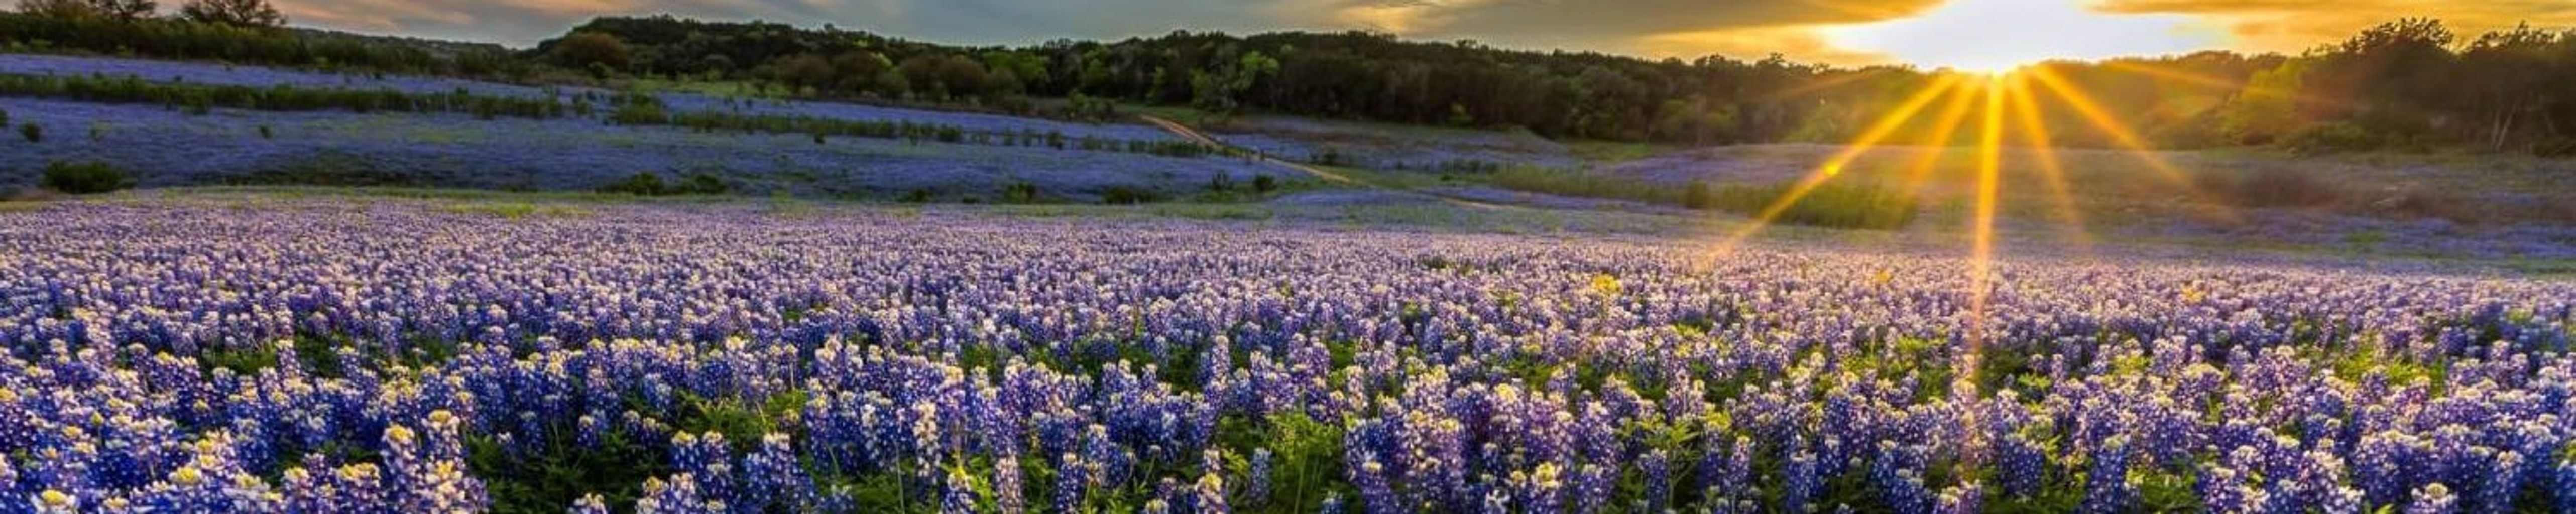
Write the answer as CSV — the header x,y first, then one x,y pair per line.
x,y
1965,34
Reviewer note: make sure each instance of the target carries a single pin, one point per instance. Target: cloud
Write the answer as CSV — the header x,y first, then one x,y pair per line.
x,y
524,22
1802,43
1600,20
2295,25
1800,29
1648,27
1653,27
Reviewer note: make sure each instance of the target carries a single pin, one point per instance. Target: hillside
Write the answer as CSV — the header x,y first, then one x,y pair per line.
x,y
2380,89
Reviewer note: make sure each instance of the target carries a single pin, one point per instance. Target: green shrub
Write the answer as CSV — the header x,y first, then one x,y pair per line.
x,y
33,132
651,184
2325,138
267,133
1127,195
640,113
1570,183
1264,184
202,99
641,184
4,118
2271,188
1020,192
1697,197
2419,202
82,178
1832,206
335,169
702,184
2552,147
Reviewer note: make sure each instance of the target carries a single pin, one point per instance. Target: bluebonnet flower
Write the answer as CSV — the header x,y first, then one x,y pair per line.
x,y
2433,499
1256,490
927,346
2106,486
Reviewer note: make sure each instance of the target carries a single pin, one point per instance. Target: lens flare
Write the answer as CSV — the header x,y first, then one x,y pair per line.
x,y
2120,133
2052,173
1879,131
1999,101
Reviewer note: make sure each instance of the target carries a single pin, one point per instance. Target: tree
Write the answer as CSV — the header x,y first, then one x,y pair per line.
x,y
2509,74
858,71
1223,90
803,72
58,8
592,49
2391,77
125,9
2268,106
944,76
238,13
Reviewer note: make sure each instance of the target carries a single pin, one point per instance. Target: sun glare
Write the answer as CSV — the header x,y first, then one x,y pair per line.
x,y
1996,36
1981,108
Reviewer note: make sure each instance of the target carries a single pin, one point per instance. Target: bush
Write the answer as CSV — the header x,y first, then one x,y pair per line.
x,y
2272,188
2325,138
1020,192
1127,195
1832,206
4,118
1569,183
1264,184
1697,197
34,133
703,184
2419,202
598,52
641,184
640,113
2553,147
333,169
651,184
84,178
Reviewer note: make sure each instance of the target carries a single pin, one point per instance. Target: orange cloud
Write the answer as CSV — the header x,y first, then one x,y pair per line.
x,y
2294,25
1803,43
1681,28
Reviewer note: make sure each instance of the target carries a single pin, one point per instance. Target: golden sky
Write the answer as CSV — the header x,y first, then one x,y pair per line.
x,y
1931,33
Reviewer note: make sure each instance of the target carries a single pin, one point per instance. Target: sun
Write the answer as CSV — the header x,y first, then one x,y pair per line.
x,y
1998,36
1979,110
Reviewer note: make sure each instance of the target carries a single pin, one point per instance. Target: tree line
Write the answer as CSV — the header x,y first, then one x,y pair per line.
x,y
238,31
2405,84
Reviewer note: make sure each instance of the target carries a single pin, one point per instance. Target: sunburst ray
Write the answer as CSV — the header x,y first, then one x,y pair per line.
x,y
2052,172
1869,139
2122,135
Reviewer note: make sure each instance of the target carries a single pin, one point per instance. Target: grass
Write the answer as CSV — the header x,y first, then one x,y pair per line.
x,y
1588,185
1614,152
736,89
1834,206
1429,216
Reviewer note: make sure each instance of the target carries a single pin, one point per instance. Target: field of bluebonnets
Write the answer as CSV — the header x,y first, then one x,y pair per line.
x,y
222,124
340,355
